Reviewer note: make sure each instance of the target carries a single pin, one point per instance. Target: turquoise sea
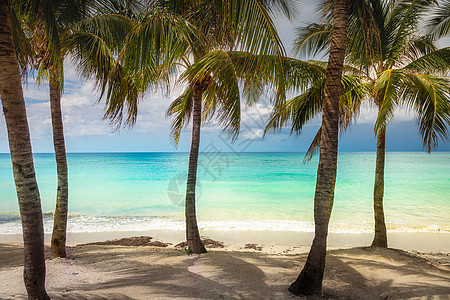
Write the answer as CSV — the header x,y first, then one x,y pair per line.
x,y
245,191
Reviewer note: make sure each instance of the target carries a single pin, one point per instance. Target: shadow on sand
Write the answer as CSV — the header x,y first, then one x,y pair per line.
x,y
151,273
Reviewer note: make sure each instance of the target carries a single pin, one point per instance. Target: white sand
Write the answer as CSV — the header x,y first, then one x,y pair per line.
x,y
118,272
409,241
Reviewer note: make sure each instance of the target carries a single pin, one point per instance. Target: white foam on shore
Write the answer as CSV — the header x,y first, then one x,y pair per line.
x,y
78,224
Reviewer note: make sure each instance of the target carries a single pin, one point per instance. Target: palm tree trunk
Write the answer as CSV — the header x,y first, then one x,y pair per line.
x,y
22,160
310,279
380,238
194,242
62,197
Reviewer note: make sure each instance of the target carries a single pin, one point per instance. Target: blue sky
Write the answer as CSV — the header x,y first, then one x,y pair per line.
x,y
86,131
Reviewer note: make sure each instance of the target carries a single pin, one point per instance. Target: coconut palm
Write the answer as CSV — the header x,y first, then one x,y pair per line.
x,y
310,279
50,23
45,24
398,68
197,41
21,154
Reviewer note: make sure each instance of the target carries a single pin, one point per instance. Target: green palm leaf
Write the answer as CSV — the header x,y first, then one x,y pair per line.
x,y
436,62
429,96
439,25
222,97
312,39
181,110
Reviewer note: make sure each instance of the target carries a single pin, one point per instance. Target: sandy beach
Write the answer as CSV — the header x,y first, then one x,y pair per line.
x,y
236,271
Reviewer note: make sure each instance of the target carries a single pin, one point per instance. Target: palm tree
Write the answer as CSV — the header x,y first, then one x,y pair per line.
x,y
51,23
46,20
400,78
404,69
21,157
200,37
310,279
393,67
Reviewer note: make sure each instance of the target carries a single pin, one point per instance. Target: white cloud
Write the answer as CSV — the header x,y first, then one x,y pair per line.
x,y
70,70
82,114
151,114
253,135
33,91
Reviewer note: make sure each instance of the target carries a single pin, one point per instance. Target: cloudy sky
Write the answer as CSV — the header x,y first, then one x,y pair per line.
x,y
86,131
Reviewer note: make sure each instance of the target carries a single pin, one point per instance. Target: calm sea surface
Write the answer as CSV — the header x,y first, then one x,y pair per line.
x,y
249,191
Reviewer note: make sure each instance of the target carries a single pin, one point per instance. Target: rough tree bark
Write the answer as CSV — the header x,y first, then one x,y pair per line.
x,y
22,159
380,238
58,244
194,242
310,279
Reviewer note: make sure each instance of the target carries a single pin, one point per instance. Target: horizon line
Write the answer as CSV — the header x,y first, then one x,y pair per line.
x,y
245,152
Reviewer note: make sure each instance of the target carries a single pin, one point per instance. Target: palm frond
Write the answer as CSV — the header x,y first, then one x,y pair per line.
x,y
312,40
222,96
285,8
161,37
439,25
354,92
123,94
181,110
403,23
131,9
112,29
314,147
255,83
436,62
302,108
302,74
256,34
429,96
385,96
94,58
414,48
299,109
24,51
262,82
41,13
364,41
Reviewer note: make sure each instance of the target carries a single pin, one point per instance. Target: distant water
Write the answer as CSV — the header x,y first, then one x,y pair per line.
x,y
248,191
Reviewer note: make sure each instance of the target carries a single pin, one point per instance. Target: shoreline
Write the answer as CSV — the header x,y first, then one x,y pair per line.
x,y
271,241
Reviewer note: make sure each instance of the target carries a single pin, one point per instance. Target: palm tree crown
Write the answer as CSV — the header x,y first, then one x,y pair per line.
x,y
208,46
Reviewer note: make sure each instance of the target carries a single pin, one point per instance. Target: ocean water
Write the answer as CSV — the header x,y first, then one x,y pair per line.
x,y
246,191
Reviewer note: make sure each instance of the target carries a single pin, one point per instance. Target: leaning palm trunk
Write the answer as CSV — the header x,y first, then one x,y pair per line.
x,y
60,219
310,279
380,238
194,242
22,160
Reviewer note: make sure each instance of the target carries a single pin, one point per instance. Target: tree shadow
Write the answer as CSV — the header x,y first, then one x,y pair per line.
x,y
389,274
11,255
152,273
209,276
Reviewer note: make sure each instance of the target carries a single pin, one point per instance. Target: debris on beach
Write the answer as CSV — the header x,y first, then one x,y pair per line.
x,y
209,243
253,246
131,241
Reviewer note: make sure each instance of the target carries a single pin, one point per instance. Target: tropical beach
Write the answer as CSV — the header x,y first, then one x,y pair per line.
x,y
229,149
261,239
233,272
